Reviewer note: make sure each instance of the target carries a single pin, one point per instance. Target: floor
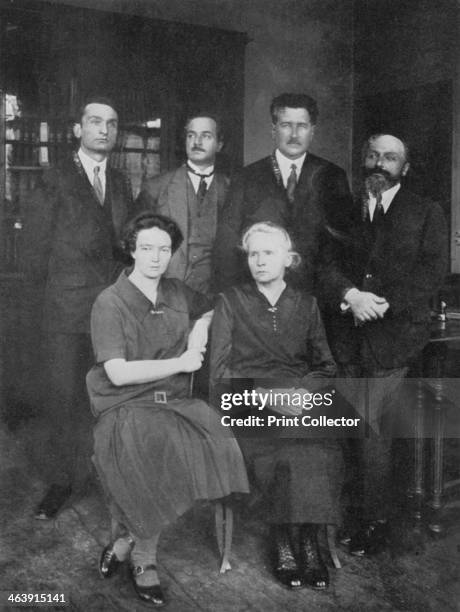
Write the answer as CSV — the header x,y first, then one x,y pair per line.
x,y
61,556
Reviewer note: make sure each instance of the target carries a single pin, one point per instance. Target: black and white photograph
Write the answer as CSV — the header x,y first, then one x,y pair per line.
x,y
230,305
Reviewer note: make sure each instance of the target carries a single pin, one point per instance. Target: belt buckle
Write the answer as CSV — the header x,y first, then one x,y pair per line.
x,y
160,397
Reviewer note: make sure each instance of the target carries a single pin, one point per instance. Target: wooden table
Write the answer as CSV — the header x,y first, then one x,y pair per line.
x,y
433,391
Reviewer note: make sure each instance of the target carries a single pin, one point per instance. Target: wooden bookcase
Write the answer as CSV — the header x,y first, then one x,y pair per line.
x,y
51,57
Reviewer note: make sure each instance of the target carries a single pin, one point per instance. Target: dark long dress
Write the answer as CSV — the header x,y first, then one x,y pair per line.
x,y
276,347
155,459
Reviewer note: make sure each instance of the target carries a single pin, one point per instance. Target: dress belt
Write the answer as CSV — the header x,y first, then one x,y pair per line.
x,y
160,397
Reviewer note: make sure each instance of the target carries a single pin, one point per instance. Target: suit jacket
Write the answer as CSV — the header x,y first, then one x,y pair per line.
x,y
322,202
71,243
406,263
168,195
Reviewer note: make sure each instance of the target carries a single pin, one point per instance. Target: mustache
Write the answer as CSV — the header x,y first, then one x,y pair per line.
x,y
376,171
293,141
198,149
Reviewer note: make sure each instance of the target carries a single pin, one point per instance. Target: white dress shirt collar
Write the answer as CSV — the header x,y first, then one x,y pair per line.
x,y
196,179
89,164
387,198
285,165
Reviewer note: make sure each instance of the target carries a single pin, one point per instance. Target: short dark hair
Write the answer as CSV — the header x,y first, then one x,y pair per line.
x,y
379,135
147,220
292,100
209,115
93,99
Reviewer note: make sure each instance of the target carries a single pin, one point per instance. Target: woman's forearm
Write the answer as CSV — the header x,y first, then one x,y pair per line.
x,y
198,337
122,372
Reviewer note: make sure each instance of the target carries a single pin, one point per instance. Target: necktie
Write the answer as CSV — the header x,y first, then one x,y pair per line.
x,y
202,187
379,213
201,193
291,184
97,185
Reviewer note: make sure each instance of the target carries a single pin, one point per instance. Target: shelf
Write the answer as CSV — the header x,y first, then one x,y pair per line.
x,y
27,168
13,276
135,150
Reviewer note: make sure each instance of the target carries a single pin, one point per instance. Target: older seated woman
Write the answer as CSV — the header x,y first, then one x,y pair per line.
x,y
272,334
156,450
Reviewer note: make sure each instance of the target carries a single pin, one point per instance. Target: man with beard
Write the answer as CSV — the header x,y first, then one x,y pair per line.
x,y
305,194
395,263
192,195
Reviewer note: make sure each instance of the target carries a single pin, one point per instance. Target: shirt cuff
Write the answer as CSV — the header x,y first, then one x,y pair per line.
x,y
344,304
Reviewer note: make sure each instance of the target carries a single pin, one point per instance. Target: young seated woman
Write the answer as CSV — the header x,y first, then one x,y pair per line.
x,y
156,450
270,333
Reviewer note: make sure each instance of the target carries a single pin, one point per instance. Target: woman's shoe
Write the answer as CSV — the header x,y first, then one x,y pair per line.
x,y
149,594
285,568
109,562
315,573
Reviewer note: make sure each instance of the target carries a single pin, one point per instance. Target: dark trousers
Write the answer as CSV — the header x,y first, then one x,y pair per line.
x,y
65,430
375,394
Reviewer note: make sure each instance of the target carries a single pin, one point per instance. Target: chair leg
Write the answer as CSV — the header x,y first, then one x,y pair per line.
x,y
331,539
224,534
114,529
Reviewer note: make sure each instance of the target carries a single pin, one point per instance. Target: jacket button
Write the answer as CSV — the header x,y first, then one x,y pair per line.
x,y
368,276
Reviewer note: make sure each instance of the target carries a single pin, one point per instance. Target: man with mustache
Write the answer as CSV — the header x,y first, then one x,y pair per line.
x,y
310,198
302,192
395,262
192,195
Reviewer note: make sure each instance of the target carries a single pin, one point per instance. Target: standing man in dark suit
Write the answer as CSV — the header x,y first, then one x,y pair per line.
x,y
192,195
72,226
303,193
395,262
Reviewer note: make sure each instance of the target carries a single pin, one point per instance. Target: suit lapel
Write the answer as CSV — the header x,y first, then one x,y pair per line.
x,y
396,207
85,196
380,244
221,184
177,199
178,205
84,180
307,208
114,197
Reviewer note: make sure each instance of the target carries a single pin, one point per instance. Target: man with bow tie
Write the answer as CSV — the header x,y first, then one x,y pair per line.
x,y
72,226
394,263
306,194
192,195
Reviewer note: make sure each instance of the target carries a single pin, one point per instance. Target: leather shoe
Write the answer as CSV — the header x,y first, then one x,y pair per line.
x,y
285,568
109,562
52,502
314,569
369,540
149,594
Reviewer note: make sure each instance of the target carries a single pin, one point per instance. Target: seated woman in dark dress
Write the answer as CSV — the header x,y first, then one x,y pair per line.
x,y
156,450
271,333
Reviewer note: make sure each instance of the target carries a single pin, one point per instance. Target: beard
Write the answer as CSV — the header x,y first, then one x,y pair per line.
x,y
377,181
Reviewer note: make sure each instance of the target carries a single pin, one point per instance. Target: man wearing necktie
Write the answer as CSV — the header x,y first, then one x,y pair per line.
x,y
192,195
310,198
394,263
72,226
302,192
